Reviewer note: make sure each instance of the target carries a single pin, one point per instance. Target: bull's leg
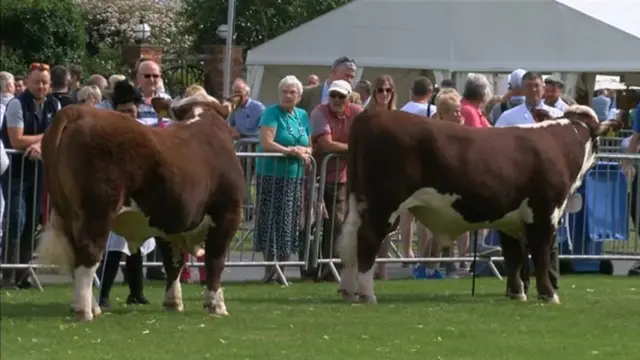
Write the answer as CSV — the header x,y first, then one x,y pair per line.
x,y
217,243
370,236
84,302
173,289
348,249
540,238
91,242
514,257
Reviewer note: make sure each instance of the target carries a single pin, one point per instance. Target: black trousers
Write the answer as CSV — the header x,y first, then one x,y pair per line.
x,y
133,270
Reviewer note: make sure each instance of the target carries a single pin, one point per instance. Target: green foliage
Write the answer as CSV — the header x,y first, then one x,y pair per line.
x,y
256,20
106,62
12,60
49,31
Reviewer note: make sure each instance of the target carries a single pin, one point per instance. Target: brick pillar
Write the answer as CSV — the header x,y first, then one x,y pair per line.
x,y
132,53
214,66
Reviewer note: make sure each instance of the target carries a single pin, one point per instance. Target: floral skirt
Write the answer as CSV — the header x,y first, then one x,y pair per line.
x,y
278,209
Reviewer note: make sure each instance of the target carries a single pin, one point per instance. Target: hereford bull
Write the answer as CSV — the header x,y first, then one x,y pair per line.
x,y
455,179
105,171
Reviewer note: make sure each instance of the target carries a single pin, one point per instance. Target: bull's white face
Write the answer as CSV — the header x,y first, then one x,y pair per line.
x,y
189,109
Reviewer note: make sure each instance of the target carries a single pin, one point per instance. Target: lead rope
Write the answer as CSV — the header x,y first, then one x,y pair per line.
x,y
475,264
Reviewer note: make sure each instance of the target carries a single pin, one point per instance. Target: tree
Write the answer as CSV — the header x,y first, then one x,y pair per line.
x,y
49,31
256,20
111,23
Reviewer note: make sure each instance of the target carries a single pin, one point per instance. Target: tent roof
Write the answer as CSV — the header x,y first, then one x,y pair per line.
x,y
471,35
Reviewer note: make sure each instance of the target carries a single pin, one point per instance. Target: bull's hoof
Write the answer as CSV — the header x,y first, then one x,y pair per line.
x,y
173,306
83,316
97,312
554,299
520,297
217,309
348,296
368,299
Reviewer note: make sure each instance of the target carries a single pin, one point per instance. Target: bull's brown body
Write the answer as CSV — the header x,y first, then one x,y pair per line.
x,y
96,161
455,179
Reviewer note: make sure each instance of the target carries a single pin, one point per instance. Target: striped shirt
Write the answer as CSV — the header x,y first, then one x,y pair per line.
x,y
147,114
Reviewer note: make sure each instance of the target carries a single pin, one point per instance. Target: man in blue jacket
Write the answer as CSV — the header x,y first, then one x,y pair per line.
x,y
26,119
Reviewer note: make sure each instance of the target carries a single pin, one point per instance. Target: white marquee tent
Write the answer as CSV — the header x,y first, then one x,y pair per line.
x,y
405,38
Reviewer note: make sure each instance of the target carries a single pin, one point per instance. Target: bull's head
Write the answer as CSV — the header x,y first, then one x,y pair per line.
x,y
585,116
189,108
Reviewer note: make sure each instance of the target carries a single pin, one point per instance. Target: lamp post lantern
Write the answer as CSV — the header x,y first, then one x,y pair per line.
x,y
142,32
226,32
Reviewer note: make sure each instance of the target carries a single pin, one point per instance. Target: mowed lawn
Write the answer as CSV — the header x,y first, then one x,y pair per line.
x,y
430,319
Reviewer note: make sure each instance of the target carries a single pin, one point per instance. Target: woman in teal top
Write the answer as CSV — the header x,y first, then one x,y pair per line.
x,y
284,128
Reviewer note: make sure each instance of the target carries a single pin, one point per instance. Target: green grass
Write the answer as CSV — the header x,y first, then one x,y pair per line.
x,y
599,319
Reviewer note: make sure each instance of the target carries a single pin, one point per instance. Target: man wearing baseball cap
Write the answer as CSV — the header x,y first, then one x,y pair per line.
x,y
514,97
330,126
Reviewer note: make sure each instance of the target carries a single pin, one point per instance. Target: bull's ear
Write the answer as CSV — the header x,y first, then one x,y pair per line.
x,y
608,126
540,115
233,102
161,106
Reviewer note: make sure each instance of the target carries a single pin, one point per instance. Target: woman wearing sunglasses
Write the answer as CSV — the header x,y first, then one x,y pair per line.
x,y
385,94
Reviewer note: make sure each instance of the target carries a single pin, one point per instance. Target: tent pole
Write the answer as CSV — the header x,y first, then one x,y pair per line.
x,y
231,13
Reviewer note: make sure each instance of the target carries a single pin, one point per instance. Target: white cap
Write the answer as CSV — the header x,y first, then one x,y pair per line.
x,y
515,78
340,86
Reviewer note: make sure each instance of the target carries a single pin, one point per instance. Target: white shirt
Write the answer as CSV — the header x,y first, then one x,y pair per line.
x,y
520,115
118,243
2,109
422,109
325,93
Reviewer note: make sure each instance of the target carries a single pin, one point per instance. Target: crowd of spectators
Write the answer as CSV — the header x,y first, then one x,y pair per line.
x,y
309,121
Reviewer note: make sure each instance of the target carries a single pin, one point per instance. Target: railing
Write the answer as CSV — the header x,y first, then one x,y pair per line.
x,y
603,230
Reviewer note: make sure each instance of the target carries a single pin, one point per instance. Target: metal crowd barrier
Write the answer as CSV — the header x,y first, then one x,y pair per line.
x,y
242,252
603,230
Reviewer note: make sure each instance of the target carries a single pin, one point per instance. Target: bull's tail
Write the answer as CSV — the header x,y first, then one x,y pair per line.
x,y
54,248
348,240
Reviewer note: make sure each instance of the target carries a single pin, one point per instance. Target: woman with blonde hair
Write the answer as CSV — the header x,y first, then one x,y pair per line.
x,y
90,95
384,94
355,99
448,104
193,89
106,102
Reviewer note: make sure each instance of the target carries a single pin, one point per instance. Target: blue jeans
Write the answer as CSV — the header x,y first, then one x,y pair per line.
x,y
21,216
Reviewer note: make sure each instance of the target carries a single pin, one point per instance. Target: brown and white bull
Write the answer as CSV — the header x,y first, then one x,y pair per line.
x,y
454,179
105,171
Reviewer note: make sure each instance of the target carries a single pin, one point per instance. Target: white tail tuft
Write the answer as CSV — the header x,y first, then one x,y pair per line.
x,y
54,247
348,241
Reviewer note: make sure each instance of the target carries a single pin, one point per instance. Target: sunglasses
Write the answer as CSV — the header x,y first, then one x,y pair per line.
x,y
149,76
38,67
385,90
337,95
